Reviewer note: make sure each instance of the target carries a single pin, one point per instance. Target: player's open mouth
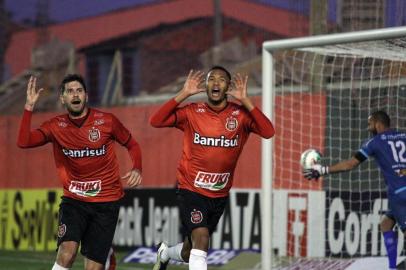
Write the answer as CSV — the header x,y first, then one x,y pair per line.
x,y
76,102
215,92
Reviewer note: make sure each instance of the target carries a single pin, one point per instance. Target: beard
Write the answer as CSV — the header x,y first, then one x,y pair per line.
x,y
216,102
75,112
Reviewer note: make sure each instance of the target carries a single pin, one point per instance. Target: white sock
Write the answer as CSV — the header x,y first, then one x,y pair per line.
x,y
58,267
197,260
174,253
109,258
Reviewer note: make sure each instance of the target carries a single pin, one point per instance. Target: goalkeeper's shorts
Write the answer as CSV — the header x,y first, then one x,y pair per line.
x,y
397,210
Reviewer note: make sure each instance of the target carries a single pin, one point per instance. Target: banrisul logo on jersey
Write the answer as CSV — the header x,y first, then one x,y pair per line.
x,y
87,152
211,181
221,141
85,189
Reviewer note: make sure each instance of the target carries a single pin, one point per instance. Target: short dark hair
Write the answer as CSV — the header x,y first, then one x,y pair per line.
x,y
71,78
382,117
221,68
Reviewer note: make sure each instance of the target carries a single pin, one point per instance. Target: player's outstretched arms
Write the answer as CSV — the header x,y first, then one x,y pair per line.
x,y
133,177
318,170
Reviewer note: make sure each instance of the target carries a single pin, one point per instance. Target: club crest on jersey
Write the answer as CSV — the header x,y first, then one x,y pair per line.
x,y
196,216
231,123
94,134
61,230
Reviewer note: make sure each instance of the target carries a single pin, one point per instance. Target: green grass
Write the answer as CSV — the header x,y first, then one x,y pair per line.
x,y
31,260
35,260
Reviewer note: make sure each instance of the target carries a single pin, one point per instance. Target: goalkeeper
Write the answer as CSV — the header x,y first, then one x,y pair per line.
x,y
388,147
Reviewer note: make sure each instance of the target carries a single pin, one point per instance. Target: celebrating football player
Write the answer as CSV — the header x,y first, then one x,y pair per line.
x,y
214,135
83,144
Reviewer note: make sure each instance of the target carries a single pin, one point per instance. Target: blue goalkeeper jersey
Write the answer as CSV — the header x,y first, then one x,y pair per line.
x,y
389,150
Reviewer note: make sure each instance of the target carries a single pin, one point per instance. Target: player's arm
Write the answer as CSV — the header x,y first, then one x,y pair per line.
x,y
165,116
262,125
123,136
134,177
345,165
26,137
318,170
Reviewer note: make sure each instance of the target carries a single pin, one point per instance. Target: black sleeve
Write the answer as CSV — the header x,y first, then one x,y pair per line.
x,y
358,155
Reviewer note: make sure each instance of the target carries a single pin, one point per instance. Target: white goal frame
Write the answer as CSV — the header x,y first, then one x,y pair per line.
x,y
268,97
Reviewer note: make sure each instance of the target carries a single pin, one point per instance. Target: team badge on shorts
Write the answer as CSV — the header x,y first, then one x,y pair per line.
x,y
94,134
231,123
196,216
61,230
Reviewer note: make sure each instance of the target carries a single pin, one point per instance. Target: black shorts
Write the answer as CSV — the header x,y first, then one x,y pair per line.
x,y
90,224
197,211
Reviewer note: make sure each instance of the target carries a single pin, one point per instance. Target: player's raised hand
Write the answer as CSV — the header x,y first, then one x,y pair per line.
x,y
238,90
315,172
238,87
193,85
133,177
32,93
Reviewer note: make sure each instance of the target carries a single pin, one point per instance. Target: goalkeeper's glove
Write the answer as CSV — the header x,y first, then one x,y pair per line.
x,y
315,171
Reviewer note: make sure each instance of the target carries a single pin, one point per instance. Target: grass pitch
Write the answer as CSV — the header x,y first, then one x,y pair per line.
x,y
36,260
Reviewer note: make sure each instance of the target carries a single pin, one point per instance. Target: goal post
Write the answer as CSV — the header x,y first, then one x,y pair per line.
x,y
306,79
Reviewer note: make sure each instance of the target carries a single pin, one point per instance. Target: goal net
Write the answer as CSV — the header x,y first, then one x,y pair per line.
x,y
321,97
